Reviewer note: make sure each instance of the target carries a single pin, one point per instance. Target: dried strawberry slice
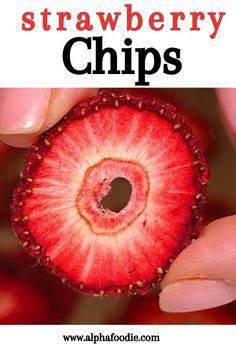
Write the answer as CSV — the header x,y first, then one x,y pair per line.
x,y
111,194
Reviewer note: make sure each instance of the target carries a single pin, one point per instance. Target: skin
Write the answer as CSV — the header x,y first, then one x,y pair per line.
x,y
203,275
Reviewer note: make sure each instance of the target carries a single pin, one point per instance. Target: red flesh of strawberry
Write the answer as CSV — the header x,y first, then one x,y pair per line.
x,y
58,206
199,125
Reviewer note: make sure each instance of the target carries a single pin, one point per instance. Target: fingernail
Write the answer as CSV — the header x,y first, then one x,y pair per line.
x,y
193,295
22,110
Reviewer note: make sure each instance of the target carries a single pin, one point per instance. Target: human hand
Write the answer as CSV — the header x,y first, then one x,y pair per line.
x,y
204,274
26,113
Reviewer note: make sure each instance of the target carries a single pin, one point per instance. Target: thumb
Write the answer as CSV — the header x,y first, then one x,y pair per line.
x,y
227,100
204,274
26,113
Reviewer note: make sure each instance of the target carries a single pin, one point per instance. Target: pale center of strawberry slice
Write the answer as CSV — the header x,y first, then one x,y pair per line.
x,y
101,186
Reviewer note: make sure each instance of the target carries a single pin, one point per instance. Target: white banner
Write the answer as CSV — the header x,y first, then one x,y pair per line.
x,y
119,43
104,339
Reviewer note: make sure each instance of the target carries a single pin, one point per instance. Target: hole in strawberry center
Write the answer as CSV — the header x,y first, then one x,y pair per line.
x,y
119,195
110,204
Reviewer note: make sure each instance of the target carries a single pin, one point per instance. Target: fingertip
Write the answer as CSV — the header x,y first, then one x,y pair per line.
x,y
227,101
19,140
196,294
35,111
21,110
203,275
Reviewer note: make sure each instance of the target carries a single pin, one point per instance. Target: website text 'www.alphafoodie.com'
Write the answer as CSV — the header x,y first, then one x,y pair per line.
x,y
112,337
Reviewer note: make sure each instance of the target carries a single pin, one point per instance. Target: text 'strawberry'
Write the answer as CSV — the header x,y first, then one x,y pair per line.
x,y
111,194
